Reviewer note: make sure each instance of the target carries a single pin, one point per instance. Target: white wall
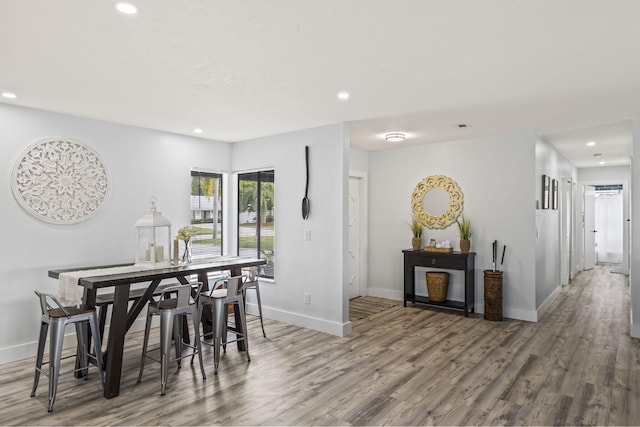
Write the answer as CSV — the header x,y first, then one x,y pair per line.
x,y
314,266
142,163
606,175
634,277
496,176
551,163
358,160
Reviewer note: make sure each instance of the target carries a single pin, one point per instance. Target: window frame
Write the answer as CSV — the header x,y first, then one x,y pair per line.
x,y
261,176
215,175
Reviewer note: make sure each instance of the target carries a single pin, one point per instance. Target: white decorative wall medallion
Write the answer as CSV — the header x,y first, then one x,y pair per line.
x,y
60,181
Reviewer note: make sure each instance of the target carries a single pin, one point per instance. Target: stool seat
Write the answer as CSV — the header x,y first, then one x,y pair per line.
x,y
57,316
56,313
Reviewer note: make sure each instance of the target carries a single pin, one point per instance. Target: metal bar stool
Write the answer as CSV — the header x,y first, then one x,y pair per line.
x,y
171,311
250,281
57,316
219,299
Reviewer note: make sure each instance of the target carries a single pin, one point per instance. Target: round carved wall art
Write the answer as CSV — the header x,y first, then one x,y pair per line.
x,y
441,216
60,181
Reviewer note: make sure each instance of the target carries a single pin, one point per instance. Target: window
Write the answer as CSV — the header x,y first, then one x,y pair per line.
x,y
206,213
256,221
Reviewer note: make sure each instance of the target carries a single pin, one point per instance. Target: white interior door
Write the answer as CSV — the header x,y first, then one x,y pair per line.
x,y
354,237
589,227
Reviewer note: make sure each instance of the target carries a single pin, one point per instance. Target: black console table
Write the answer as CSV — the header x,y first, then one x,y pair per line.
x,y
444,260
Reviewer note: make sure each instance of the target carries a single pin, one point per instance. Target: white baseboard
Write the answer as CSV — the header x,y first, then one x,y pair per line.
x,y
547,303
393,294
322,325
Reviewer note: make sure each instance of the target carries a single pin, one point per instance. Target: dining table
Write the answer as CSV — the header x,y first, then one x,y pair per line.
x,y
123,317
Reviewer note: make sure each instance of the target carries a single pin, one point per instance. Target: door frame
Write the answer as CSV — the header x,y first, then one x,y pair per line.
x,y
567,229
625,227
363,215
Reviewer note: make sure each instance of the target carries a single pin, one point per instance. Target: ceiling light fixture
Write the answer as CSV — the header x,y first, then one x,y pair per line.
x,y
603,162
591,143
343,96
126,8
394,137
9,95
197,130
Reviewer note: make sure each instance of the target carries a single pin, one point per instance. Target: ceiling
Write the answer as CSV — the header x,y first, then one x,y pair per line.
x,y
244,69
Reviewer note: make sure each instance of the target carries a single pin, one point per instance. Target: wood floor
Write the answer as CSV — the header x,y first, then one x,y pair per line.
x,y
402,366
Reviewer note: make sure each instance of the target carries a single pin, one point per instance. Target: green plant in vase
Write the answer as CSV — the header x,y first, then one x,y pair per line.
x,y
416,229
464,227
185,234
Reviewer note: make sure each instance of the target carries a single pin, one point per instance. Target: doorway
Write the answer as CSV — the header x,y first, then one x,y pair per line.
x,y
605,239
357,235
609,219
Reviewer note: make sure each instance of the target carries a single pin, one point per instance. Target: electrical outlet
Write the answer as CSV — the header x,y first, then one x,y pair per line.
x,y
307,298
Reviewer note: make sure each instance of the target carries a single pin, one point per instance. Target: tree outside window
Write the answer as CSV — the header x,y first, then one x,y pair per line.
x,y
256,219
206,213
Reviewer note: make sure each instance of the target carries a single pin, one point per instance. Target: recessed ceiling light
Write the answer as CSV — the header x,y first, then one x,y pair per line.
x,y
603,162
343,96
395,137
197,130
9,95
127,8
591,143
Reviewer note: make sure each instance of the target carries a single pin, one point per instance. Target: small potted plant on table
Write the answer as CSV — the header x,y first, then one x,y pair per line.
x,y
464,227
416,230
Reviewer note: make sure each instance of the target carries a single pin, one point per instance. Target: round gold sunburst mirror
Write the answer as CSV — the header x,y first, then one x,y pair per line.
x,y
437,201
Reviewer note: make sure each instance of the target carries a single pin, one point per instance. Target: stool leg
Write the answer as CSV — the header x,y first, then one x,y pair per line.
x,y
177,337
243,319
97,339
144,345
55,355
196,338
196,327
166,329
218,322
44,328
257,288
81,336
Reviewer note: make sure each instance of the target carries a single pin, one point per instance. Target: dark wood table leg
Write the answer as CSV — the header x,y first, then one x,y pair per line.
x,y
115,344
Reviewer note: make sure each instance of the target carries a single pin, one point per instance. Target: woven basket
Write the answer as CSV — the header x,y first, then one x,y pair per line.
x,y
437,286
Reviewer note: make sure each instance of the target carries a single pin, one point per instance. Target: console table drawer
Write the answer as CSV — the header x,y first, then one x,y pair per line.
x,y
439,262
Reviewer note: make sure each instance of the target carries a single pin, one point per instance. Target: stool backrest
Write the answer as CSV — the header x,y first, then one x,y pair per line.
x,y
250,274
183,292
45,306
234,285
